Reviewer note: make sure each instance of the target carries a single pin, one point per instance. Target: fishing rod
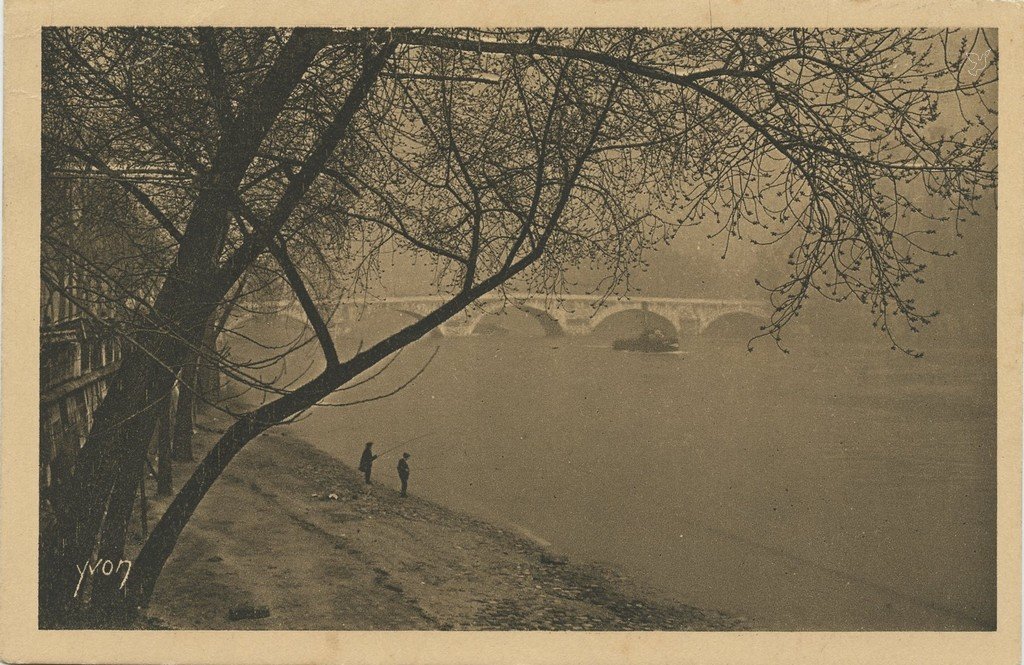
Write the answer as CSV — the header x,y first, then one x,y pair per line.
x,y
407,441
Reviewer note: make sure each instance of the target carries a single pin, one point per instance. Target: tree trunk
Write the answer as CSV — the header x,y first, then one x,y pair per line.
x,y
208,374
164,485
105,471
184,417
143,505
122,423
207,371
106,467
161,542
106,597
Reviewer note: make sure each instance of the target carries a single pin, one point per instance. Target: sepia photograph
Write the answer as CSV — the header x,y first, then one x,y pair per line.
x,y
529,329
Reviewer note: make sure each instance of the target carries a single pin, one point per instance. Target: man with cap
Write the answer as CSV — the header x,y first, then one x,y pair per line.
x,y
366,461
403,472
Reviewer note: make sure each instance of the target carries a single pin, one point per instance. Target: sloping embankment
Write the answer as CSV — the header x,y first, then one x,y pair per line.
x,y
270,534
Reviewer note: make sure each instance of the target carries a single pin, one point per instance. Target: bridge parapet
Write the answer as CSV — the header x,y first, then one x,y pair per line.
x,y
572,315
574,324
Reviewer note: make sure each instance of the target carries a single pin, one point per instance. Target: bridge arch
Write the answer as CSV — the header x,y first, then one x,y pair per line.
x,y
550,325
734,323
655,320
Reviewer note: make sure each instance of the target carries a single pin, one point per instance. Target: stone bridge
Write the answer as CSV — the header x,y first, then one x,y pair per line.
x,y
569,314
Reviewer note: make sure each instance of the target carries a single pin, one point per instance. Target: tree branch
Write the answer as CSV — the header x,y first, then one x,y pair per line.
x,y
129,187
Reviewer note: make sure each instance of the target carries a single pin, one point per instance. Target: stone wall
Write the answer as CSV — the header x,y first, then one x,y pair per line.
x,y
78,354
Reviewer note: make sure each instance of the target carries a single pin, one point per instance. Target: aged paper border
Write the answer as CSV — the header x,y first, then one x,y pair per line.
x,y
21,641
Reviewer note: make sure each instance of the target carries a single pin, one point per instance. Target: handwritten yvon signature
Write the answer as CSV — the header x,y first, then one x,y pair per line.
x,y
105,567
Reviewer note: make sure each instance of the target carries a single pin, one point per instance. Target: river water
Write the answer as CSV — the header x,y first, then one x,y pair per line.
x,y
842,487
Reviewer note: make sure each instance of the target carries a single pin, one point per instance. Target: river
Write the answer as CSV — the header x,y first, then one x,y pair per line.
x,y
840,487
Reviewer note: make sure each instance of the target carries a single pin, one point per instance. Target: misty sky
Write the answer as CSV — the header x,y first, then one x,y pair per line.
x,y
962,288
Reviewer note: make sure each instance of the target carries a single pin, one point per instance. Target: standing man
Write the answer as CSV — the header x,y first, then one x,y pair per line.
x,y
366,461
403,472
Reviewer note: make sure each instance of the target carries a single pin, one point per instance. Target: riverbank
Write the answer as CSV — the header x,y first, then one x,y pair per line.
x,y
291,529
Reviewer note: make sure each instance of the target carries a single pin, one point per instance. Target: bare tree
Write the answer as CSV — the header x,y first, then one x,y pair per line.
x,y
295,157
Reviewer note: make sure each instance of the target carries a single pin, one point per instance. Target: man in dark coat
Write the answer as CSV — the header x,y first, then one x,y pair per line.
x,y
366,461
403,472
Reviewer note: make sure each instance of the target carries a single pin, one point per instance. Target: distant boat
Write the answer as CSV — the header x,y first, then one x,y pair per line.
x,y
649,341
